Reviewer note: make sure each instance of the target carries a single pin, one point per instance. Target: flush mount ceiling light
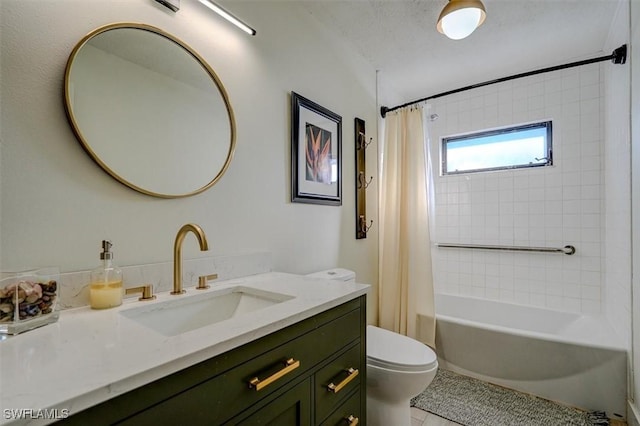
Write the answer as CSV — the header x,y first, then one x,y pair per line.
x,y
228,16
460,18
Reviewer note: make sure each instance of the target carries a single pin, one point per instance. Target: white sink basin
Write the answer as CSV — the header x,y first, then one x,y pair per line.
x,y
187,313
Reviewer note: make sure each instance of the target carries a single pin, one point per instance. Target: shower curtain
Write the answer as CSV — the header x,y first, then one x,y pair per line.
x,y
405,294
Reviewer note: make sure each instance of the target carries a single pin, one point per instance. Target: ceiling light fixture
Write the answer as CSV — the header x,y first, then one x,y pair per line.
x,y
228,16
460,18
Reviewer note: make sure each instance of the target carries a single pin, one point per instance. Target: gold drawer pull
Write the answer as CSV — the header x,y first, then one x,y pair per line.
x,y
353,372
258,384
353,421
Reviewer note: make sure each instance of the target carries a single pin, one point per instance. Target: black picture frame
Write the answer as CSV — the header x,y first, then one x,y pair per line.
x,y
316,153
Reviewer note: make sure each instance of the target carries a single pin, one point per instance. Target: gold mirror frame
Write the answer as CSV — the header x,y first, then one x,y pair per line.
x,y
87,147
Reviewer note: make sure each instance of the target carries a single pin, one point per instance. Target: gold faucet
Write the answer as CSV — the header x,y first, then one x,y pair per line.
x,y
177,253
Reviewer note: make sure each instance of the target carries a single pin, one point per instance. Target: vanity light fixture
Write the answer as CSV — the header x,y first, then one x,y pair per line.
x,y
174,5
228,16
460,18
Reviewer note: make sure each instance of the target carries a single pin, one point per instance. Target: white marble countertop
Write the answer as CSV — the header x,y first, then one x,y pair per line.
x,y
90,356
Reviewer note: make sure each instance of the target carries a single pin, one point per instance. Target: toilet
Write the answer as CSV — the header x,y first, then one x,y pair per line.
x,y
398,368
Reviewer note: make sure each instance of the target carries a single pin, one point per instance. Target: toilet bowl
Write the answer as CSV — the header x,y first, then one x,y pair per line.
x,y
398,368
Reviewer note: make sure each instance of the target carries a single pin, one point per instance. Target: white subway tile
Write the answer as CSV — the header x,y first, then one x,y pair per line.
x,y
589,76
571,95
590,307
590,177
544,206
571,304
590,292
492,294
553,84
571,109
591,91
570,179
554,302
538,300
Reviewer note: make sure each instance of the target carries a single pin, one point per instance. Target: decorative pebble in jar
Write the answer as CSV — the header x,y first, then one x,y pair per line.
x,y
28,300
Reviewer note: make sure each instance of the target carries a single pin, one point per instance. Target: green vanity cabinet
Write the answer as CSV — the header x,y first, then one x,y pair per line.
x,y
310,373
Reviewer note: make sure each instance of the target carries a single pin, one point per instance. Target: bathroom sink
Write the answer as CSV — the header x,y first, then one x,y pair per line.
x,y
187,313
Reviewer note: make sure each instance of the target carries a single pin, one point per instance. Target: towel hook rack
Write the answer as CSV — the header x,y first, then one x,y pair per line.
x,y
361,182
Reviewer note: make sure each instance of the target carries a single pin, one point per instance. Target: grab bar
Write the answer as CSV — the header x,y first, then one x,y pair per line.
x,y
568,249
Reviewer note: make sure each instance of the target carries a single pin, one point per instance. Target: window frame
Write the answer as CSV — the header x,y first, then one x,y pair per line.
x,y
547,124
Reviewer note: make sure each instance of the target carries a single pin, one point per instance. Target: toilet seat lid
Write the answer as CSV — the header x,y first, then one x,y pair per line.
x,y
394,351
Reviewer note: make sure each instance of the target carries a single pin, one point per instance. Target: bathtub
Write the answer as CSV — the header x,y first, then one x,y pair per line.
x,y
570,358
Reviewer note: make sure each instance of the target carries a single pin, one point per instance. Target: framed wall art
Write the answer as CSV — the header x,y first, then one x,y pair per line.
x,y
316,153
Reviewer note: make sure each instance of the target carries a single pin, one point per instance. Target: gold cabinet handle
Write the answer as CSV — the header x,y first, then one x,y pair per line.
x,y
290,365
353,421
353,372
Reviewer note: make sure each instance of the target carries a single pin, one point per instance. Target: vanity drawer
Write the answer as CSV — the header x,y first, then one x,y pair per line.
x,y
338,379
216,400
293,408
347,414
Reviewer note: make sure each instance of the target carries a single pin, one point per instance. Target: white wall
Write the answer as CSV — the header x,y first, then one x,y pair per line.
x,y
617,183
634,415
57,205
545,207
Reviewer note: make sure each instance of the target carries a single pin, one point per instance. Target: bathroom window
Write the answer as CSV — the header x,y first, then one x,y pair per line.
x,y
527,145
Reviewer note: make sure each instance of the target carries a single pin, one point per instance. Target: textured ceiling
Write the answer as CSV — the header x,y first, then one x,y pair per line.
x,y
399,38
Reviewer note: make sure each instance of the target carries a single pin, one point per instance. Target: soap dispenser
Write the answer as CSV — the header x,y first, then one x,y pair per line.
x,y
105,289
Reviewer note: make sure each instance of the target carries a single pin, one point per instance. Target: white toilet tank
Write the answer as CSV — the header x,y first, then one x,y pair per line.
x,y
337,274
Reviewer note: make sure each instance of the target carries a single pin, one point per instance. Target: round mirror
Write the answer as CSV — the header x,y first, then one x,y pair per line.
x,y
149,110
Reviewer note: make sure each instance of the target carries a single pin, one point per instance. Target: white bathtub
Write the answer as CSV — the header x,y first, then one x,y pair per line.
x,y
569,358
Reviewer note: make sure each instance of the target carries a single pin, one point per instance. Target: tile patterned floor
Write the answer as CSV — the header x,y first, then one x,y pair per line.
x,y
423,418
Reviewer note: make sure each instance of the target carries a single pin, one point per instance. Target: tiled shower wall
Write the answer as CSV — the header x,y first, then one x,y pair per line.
x,y
543,207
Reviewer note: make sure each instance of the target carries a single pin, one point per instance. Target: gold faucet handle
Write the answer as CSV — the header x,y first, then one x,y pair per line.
x,y
146,290
202,281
